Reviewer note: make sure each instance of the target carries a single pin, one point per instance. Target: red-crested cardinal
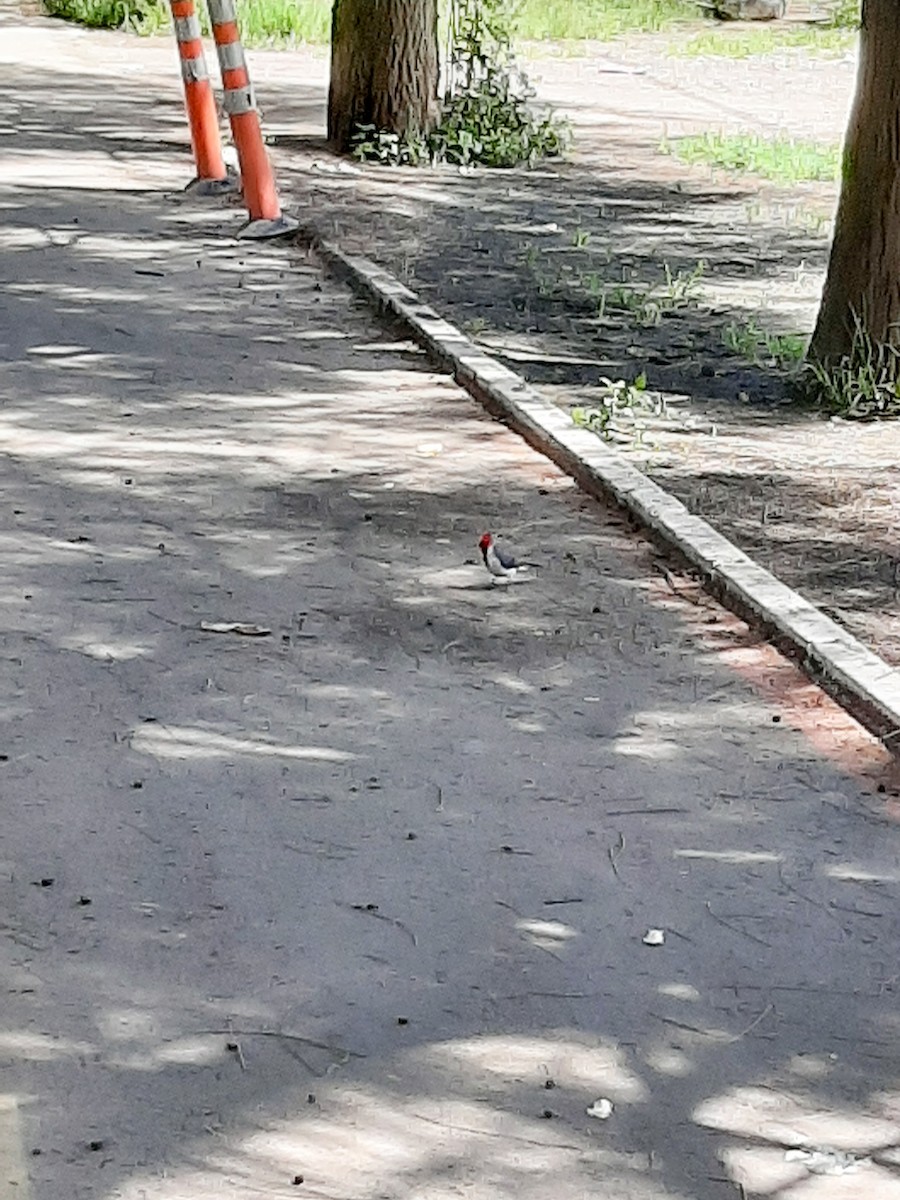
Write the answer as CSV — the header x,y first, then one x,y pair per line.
x,y
500,564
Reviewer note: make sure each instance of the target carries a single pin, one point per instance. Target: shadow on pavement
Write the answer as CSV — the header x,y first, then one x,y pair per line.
x,y
357,904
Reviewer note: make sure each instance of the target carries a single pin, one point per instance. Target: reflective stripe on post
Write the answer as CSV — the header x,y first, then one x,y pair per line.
x,y
199,99
257,177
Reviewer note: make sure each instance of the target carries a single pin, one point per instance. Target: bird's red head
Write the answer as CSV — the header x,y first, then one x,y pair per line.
x,y
486,540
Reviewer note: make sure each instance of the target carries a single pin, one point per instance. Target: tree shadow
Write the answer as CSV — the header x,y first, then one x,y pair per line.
x,y
812,531
548,261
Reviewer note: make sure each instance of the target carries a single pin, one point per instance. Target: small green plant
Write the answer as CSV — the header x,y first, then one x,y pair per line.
x,y
389,149
762,347
580,238
633,299
530,256
782,159
863,385
492,125
682,287
845,14
549,281
623,410
594,284
649,304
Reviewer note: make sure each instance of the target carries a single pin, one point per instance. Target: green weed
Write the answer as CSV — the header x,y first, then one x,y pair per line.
x,y
760,346
649,304
784,160
475,326
845,14
623,410
548,280
492,124
645,304
863,386
594,284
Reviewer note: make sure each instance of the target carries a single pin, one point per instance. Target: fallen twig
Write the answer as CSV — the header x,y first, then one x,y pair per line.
x,y
643,812
736,928
856,912
826,908
241,628
235,1048
613,852
372,911
753,1024
715,1034
679,592
338,1051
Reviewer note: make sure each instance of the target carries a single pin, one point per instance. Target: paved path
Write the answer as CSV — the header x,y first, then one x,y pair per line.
x,y
361,902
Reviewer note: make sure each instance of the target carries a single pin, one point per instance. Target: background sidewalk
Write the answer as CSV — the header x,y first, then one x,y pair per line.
x,y
363,900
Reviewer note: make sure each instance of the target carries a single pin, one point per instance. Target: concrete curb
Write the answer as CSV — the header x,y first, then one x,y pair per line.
x,y
861,681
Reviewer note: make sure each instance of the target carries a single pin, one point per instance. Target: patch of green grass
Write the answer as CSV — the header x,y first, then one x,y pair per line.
x,y
781,159
863,386
562,20
767,39
273,22
138,16
648,305
760,346
277,22
631,301
845,14
262,22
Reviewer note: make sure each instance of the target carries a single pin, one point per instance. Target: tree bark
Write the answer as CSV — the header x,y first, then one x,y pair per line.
x,y
863,282
384,68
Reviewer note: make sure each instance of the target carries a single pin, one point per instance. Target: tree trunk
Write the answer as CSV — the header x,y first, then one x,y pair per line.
x,y
863,283
384,67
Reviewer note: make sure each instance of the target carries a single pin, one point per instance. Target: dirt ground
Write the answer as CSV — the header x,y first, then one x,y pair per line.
x,y
516,258
358,908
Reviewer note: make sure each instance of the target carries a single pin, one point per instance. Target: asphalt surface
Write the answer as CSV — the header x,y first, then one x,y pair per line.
x,y
352,902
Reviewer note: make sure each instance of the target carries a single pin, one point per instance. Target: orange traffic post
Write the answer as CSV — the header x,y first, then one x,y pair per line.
x,y
257,177
200,102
